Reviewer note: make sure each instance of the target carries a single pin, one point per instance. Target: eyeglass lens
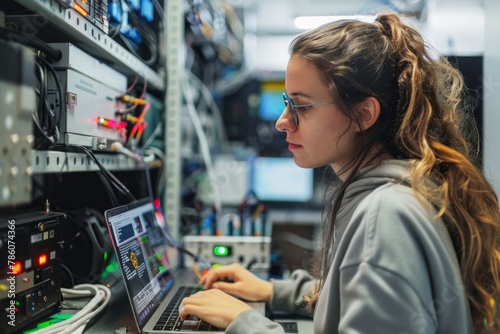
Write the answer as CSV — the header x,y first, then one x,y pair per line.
x,y
289,102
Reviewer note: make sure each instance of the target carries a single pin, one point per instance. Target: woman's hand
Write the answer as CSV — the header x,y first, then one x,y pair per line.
x,y
245,285
213,306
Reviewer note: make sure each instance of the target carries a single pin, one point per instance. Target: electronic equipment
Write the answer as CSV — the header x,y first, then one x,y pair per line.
x,y
30,268
17,102
279,179
251,252
88,248
96,11
90,88
251,111
271,104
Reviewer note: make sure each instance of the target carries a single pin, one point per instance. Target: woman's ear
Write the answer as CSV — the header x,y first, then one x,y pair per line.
x,y
369,113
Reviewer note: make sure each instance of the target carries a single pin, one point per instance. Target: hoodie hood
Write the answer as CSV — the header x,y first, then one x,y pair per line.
x,y
367,180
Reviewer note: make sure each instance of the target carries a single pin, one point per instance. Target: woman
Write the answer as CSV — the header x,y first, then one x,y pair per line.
x,y
411,228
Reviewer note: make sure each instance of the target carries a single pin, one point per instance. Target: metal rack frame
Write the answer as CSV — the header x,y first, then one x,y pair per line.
x,y
64,162
173,104
94,40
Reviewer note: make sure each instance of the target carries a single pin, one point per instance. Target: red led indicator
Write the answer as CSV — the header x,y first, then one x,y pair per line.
x,y
109,123
42,260
17,268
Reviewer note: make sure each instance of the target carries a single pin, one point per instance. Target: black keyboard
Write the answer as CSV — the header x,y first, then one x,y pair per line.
x,y
171,321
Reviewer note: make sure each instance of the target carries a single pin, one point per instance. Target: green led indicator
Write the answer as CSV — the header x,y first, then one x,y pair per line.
x,y
221,251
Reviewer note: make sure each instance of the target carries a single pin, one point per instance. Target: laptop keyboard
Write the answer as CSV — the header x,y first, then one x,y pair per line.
x,y
171,321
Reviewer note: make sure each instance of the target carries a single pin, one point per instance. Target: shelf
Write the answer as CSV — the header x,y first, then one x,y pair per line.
x,y
67,162
89,38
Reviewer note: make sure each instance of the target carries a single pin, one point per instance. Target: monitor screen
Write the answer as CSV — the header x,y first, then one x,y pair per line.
x,y
279,179
142,253
271,100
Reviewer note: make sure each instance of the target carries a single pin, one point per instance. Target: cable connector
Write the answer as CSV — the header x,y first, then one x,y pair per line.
x,y
121,330
47,206
131,99
109,123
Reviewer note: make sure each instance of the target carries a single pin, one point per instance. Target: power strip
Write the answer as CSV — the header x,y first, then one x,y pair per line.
x,y
251,252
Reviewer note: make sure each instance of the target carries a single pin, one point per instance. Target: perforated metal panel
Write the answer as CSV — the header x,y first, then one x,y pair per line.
x,y
17,102
173,170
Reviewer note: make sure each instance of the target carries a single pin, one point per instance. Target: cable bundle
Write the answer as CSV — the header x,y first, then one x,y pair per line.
x,y
109,179
143,34
47,114
76,324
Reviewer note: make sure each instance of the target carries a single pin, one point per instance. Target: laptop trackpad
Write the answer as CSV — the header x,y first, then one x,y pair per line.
x,y
190,325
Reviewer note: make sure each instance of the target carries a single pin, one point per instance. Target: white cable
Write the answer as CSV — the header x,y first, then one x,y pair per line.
x,y
205,150
207,95
61,326
149,158
158,128
73,293
117,146
77,323
105,295
156,151
160,183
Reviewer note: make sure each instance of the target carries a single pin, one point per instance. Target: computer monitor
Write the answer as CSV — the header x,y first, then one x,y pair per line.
x,y
280,180
271,100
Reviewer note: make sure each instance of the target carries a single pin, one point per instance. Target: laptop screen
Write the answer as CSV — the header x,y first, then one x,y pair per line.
x,y
142,254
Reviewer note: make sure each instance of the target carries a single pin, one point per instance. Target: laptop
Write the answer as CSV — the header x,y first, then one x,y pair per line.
x,y
145,257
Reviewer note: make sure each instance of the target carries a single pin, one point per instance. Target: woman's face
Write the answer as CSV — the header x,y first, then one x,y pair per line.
x,y
324,135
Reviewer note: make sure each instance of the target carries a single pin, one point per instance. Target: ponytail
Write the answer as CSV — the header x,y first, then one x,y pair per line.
x,y
439,135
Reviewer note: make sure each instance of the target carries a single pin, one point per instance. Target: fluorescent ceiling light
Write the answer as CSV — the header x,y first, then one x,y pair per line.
x,y
310,22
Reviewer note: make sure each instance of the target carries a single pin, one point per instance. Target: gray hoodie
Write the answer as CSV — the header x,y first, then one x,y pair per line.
x,y
394,268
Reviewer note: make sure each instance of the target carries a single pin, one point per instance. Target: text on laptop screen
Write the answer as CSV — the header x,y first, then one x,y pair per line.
x,y
142,254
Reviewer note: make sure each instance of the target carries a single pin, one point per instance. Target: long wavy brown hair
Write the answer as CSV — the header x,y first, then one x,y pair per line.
x,y
425,118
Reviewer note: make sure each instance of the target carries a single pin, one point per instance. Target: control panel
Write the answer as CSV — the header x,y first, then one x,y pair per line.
x,y
30,268
251,252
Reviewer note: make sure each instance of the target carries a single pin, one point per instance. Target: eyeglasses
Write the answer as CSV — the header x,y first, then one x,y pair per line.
x,y
295,116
